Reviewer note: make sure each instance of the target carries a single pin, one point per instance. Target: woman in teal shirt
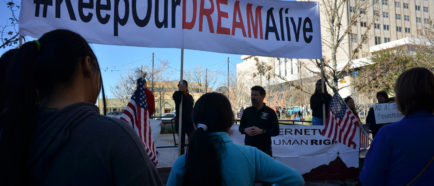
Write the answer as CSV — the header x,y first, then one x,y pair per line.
x,y
213,159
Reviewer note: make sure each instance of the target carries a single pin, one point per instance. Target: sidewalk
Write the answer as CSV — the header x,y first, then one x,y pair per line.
x,y
166,154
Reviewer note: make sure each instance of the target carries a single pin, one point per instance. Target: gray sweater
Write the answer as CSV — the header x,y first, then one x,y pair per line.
x,y
77,146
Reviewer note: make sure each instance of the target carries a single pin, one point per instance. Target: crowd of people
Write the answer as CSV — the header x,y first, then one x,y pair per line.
x,y
51,132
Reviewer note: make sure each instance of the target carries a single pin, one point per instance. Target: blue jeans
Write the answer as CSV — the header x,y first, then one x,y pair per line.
x,y
317,121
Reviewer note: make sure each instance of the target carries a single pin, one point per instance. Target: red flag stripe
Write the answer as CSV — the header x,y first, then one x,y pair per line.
x,y
139,119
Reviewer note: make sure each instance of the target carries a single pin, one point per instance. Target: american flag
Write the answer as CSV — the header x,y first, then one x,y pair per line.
x,y
136,114
341,123
364,138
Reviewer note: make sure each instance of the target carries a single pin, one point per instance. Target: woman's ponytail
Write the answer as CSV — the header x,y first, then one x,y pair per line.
x,y
203,165
19,114
39,68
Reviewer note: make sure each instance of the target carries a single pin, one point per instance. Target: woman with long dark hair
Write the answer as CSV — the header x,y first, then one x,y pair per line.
x,y
52,132
317,100
5,62
350,103
213,159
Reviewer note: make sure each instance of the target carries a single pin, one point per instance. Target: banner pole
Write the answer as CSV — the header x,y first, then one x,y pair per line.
x,y
153,73
228,77
180,147
20,41
323,91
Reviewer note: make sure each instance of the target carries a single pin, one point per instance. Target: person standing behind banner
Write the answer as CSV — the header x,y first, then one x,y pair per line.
x,y
213,159
187,108
350,103
317,100
53,134
402,153
382,97
259,122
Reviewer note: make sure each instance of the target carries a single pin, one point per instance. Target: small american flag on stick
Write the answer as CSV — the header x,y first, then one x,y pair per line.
x,y
136,114
341,123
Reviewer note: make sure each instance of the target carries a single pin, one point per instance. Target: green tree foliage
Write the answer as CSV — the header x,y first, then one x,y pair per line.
x,y
388,65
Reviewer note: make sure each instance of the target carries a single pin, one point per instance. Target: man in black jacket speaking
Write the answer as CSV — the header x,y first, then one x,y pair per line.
x,y
259,122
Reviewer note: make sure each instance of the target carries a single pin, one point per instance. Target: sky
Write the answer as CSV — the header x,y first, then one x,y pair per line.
x,y
116,61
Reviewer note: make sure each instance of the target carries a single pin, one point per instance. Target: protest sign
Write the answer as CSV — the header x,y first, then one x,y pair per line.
x,y
254,27
303,148
387,113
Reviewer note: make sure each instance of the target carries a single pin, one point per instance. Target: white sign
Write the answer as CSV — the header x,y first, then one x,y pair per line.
x,y
387,113
254,27
303,148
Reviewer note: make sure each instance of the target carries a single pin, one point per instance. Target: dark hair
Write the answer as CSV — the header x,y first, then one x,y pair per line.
x,y
5,62
320,89
203,165
348,99
414,91
383,94
185,82
39,68
140,79
260,89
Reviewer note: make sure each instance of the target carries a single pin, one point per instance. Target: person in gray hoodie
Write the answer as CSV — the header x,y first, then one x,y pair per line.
x,y
52,133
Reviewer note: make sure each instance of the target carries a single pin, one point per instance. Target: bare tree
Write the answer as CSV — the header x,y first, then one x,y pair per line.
x,y
9,33
201,79
341,17
126,86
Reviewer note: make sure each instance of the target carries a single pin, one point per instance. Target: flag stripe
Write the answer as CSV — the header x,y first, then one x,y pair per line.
x,y
342,124
137,115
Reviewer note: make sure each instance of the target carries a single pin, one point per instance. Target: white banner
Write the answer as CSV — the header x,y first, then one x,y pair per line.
x,y
387,113
303,148
253,27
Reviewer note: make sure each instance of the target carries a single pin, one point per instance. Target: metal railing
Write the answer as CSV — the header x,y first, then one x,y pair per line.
x,y
171,123
286,122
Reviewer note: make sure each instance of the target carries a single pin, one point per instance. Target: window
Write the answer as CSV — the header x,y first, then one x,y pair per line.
x,y
405,5
351,9
363,24
398,16
425,20
385,14
407,30
386,39
425,9
362,11
417,7
385,27
377,26
384,2
377,13
354,38
377,40
376,1
397,4
418,20
399,29
406,18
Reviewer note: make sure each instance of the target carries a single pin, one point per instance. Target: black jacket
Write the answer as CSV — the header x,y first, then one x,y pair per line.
x,y
187,107
371,122
316,102
265,119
